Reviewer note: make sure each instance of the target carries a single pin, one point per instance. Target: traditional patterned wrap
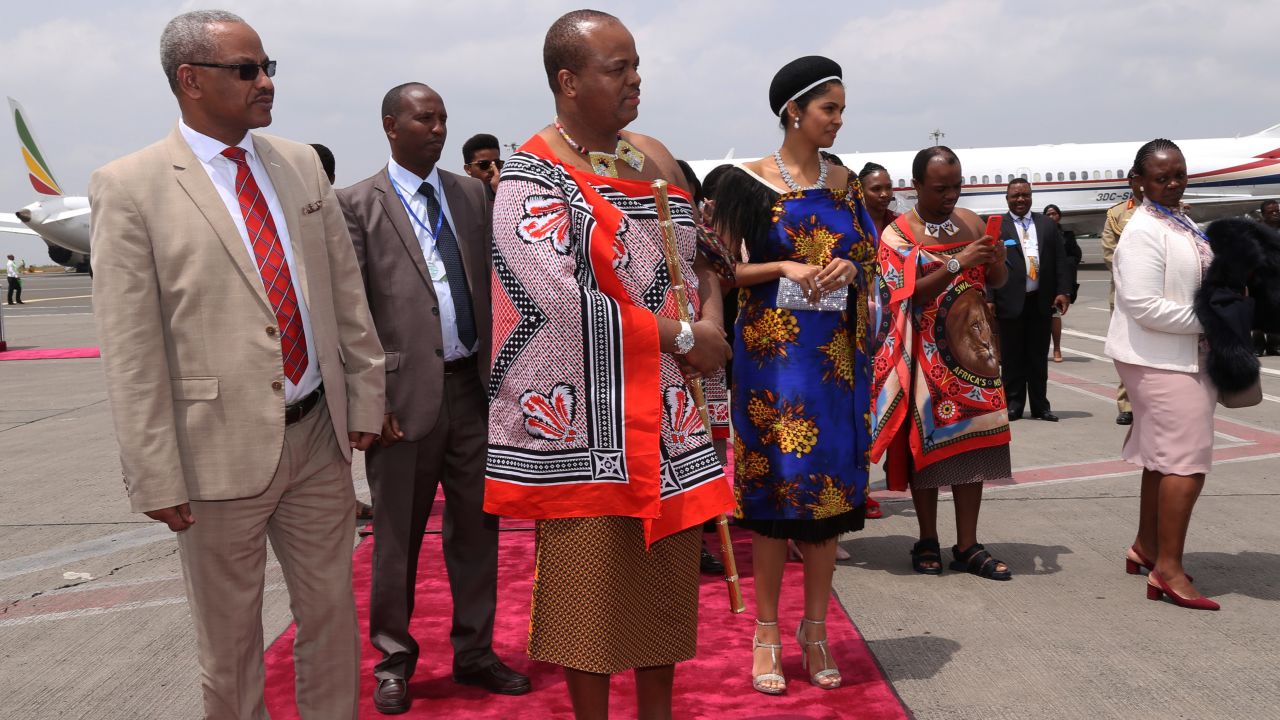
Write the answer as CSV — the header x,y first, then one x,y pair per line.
x,y
587,416
938,362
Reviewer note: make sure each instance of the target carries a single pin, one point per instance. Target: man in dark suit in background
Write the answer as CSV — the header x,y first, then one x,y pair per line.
x,y
1039,280
422,237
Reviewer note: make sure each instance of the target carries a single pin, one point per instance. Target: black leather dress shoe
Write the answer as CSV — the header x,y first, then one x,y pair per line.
x,y
1047,416
391,697
1015,416
496,678
1124,418
710,564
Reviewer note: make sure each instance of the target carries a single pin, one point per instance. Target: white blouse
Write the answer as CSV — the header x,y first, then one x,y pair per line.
x,y
1157,270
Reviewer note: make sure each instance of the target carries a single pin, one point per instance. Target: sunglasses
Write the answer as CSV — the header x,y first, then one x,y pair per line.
x,y
248,71
483,165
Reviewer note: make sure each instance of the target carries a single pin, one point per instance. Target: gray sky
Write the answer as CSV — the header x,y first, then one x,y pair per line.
x,y
987,72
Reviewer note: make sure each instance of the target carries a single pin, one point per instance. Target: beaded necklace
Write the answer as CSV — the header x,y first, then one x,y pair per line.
x,y
790,181
603,163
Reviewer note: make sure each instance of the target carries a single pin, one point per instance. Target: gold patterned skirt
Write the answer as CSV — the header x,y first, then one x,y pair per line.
x,y
602,603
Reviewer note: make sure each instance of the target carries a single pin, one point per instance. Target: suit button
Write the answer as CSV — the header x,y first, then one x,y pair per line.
x,y
435,311
271,331
277,385
439,352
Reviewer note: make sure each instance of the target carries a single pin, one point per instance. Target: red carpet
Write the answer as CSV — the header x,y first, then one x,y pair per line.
x,y
715,684
50,354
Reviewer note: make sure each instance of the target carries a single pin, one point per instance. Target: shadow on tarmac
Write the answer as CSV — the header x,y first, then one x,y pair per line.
x,y
928,654
892,554
1251,574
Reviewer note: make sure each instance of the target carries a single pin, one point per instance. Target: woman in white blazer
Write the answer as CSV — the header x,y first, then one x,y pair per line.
x,y
1156,343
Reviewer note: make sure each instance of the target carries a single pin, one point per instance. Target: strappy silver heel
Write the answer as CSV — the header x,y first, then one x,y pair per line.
x,y
827,670
758,681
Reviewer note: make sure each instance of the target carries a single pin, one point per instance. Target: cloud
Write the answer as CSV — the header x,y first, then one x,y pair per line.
x,y
986,72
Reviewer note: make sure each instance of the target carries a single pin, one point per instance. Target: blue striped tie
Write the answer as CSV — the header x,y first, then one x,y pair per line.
x,y
447,246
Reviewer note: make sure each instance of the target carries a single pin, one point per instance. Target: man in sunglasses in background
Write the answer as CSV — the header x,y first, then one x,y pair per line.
x,y
481,157
242,366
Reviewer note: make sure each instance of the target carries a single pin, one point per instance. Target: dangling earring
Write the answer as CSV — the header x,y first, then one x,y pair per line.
x,y
797,123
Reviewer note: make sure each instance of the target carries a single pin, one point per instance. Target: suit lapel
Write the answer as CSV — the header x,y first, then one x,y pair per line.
x,y
191,175
463,215
396,212
290,193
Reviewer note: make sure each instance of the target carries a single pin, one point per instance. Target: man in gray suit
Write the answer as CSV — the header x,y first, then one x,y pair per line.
x,y
422,238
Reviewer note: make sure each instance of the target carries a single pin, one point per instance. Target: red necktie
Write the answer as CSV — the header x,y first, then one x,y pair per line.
x,y
269,255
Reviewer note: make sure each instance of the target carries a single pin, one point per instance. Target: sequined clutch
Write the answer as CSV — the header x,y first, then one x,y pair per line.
x,y
792,297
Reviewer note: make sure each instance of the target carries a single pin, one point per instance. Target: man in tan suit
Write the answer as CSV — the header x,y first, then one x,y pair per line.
x,y
422,237
242,366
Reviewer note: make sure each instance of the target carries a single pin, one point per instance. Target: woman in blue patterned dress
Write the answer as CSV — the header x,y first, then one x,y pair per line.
x,y
801,392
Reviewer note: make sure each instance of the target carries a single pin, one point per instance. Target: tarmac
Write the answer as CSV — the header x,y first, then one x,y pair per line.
x,y
94,624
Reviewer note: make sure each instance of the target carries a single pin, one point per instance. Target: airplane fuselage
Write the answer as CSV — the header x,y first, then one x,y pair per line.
x,y
1227,176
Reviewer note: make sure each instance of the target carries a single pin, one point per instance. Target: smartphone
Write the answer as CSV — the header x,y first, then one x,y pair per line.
x,y
993,227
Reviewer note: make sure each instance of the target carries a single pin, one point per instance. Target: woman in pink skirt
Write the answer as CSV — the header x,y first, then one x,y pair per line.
x,y
1156,342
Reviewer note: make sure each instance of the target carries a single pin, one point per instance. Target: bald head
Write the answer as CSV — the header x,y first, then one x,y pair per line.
x,y
565,47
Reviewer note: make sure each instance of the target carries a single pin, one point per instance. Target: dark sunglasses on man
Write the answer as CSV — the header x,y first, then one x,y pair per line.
x,y
248,71
483,165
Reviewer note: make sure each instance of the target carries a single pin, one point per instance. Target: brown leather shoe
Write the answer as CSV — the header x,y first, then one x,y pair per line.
x,y
391,697
496,678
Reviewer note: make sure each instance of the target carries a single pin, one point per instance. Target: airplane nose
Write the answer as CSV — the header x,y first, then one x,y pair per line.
x,y
24,215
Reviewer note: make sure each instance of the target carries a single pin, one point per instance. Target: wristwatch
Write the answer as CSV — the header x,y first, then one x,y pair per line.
x,y
684,338
953,266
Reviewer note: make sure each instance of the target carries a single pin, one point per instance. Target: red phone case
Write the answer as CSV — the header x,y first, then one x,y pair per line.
x,y
993,226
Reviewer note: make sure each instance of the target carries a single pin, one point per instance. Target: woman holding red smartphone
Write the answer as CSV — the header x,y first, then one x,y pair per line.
x,y
938,402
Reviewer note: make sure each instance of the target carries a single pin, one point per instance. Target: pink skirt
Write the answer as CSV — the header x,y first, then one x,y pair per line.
x,y
1172,431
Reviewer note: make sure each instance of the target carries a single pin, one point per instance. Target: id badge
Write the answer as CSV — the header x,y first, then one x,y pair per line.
x,y
435,266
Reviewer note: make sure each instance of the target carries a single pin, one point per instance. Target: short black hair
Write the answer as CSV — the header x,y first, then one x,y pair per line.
x,y
831,157
478,142
327,161
1265,203
1017,181
1055,208
391,101
921,162
1148,150
870,168
563,48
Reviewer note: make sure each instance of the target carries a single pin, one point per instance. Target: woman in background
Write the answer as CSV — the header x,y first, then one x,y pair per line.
x,y
1074,256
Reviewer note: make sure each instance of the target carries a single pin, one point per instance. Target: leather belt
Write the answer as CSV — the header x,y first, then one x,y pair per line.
x,y
452,367
295,412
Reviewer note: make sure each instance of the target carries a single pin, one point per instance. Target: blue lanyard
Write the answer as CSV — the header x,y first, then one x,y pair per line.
x,y
414,216
1182,221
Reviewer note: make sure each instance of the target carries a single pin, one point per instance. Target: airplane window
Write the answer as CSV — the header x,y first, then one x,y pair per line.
x,y
1108,174
986,179
1037,177
973,179
1060,177
1096,176
998,180
1072,175
1121,174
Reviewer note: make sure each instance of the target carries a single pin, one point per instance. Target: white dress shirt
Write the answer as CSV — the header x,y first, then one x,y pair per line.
x,y
11,269
1030,247
222,171
407,184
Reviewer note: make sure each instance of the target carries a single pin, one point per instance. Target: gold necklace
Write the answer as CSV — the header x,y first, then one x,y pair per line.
x,y
603,163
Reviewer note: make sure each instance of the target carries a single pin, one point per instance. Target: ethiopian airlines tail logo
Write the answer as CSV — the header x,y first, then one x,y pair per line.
x,y
38,171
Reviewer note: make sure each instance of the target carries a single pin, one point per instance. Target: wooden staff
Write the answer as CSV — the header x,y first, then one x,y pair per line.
x,y
672,253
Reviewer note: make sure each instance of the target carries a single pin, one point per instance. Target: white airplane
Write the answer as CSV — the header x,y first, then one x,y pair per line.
x,y
1227,176
62,221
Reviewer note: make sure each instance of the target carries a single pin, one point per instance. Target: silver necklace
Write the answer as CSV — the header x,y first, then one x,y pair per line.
x,y
790,181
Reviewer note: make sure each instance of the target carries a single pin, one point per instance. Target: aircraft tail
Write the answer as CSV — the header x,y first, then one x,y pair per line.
x,y
38,171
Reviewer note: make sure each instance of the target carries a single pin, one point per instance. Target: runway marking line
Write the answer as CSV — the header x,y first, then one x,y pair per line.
x,y
1255,443
68,297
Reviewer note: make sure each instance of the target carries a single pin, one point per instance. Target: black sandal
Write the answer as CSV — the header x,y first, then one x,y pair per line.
x,y
977,561
924,551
